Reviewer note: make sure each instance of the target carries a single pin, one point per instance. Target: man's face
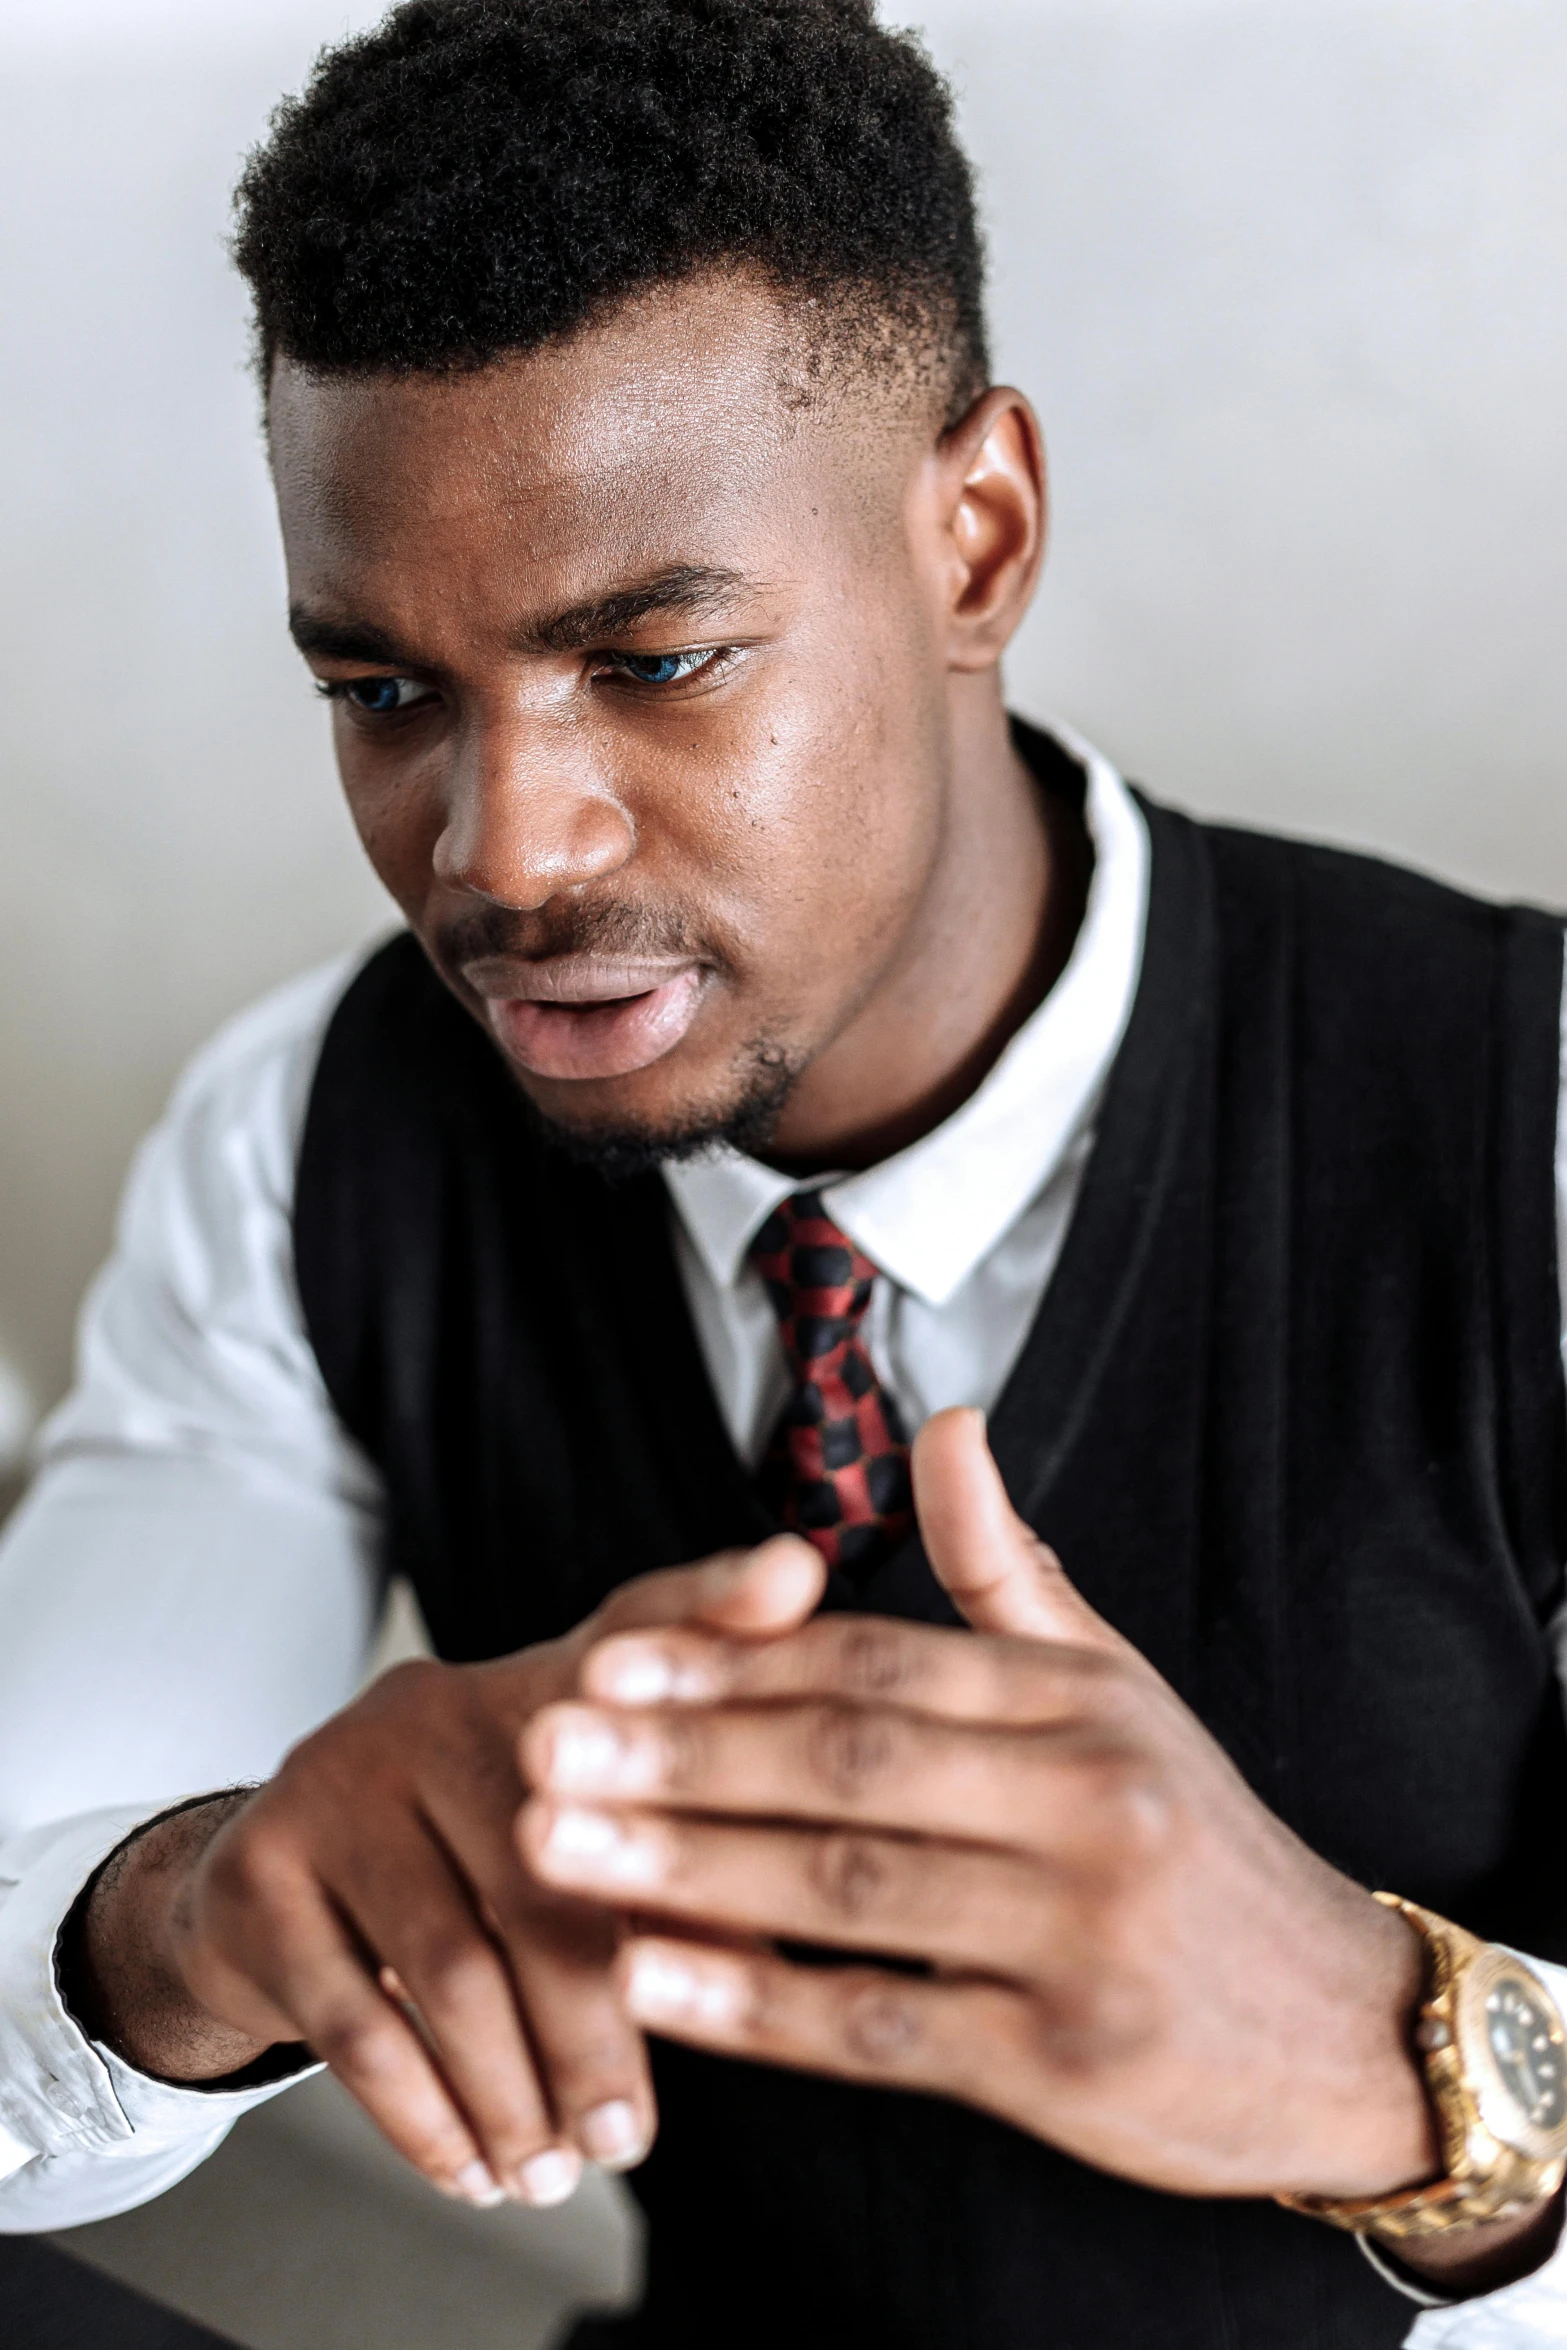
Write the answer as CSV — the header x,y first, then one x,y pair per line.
x,y
639,694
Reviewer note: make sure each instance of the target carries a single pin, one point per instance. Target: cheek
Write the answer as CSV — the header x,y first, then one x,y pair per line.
x,y
396,808
809,812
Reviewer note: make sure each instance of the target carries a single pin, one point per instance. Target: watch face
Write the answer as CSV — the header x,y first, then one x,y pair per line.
x,y
1525,2040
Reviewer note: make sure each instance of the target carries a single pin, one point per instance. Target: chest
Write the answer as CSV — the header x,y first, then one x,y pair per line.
x,y
1290,1410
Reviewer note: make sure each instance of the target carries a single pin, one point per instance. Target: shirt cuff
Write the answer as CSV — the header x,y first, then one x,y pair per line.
x,y
1399,2279
61,2093
1516,2317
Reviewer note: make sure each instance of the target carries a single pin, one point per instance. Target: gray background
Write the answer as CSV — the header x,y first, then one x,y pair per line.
x,y
1286,279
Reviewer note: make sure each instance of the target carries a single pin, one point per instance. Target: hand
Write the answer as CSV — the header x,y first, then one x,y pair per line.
x,y
369,1901
1131,1957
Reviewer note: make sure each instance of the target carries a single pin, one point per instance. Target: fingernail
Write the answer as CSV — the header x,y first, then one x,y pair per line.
x,y
593,1844
585,1752
661,1985
550,2177
638,1676
612,2134
476,2183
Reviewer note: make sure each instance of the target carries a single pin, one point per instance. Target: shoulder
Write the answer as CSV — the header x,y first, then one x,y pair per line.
x,y
264,1058
191,1337
1361,932
1356,885
227,1146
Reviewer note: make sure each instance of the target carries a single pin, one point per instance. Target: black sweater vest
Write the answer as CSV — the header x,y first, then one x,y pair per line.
x,y
1291,1411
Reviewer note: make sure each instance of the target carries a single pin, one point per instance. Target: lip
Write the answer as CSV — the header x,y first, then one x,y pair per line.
x,y
578,1020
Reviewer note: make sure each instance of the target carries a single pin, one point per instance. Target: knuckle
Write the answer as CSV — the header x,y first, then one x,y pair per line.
x,y
882,2025
357,2044
1128,1798
1097,2021
414,1677
418,1690
848,1748
874,1658
850,1875
683,1746
254,1866
451,1973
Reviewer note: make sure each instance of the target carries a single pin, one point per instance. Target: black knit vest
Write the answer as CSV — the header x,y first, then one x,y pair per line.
x,y
1292,1413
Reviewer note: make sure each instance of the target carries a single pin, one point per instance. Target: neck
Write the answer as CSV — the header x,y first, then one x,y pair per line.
x,y
989,940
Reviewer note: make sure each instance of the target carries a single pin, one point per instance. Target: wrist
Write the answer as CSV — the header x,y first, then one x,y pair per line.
x,y
1491,2044
1372,2131
119,1966
1479,2259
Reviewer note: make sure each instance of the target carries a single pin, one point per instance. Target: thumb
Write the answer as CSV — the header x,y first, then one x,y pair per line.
x,y
991,1565
759,1593
751,1594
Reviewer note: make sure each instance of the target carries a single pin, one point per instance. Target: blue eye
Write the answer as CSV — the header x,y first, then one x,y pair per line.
x,y
661,668
378,697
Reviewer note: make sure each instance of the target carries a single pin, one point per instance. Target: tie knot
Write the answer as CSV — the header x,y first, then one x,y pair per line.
x,y
819,1282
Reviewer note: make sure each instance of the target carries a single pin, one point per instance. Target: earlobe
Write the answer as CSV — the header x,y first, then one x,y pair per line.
x,y
994,463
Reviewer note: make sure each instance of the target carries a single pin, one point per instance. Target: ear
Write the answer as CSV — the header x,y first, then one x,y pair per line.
x,y
992,506
993,1566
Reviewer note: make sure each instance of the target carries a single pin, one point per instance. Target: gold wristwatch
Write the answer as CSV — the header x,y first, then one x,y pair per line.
x,y
1494,2047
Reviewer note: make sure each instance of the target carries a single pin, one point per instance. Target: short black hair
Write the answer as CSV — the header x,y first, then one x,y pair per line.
x,y
477,177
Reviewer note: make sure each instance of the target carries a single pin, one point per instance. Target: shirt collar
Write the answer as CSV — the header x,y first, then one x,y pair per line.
x,y
930,1214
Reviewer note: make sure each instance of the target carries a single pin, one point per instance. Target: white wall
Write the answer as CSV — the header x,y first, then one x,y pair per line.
x,y
1286,277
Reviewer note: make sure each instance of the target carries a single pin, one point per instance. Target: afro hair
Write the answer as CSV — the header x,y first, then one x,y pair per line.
x,y
477,177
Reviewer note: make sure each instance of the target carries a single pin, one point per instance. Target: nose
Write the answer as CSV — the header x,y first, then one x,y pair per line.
x,y
527,817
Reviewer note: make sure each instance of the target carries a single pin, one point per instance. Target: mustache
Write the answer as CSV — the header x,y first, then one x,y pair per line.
x,y
611,927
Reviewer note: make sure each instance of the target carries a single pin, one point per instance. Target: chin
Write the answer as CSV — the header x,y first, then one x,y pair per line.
x,y
629,1128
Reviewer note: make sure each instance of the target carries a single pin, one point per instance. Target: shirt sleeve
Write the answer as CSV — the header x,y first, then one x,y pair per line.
x,y
190,1586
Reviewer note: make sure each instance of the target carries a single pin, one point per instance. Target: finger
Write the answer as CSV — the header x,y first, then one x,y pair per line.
x,y
1002,1577
419,1919
317,1978
591,2056
851,1889
866,1660
588,2058
1066,1793
858,2023
750,1594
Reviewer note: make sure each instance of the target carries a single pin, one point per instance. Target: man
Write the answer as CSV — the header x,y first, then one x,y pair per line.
x,y
787,1053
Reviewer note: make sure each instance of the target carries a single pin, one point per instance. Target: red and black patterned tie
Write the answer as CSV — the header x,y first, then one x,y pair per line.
x,y
838,1467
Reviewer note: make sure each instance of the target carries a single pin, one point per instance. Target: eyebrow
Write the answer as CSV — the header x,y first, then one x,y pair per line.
x,y
693,588
684,587
340,640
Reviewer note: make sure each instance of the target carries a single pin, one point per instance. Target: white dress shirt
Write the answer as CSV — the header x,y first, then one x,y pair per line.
x,y
194,1581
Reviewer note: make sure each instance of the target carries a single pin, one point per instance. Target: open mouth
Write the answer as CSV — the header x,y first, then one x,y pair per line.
x,y
592,1035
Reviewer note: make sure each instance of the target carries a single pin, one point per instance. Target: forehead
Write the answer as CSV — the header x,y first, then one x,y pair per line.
x,y
676,431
